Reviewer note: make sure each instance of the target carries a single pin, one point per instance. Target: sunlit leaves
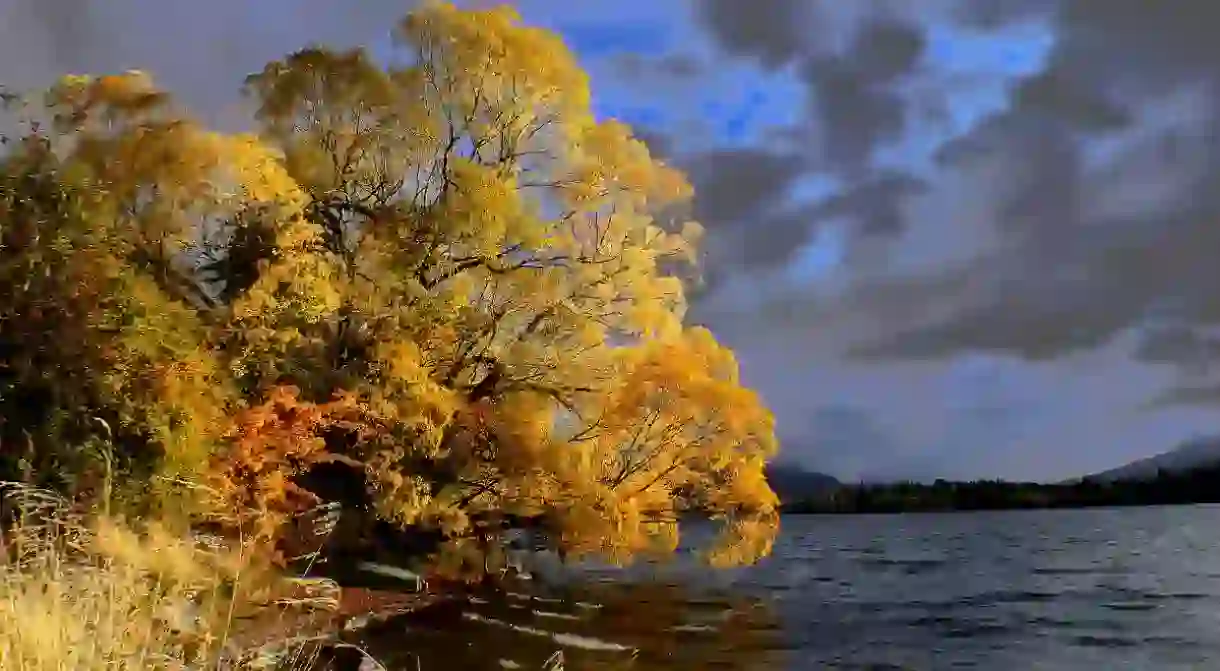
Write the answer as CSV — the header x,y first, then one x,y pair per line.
x,y
270,444
446,274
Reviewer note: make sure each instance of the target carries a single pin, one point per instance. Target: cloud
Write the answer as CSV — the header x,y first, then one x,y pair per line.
x,y
1031,182
1062,266
773,32
738,184
743,203
1052,94
199,50
886,49
991,14
845,72
851,101
875,205
1126,83
667,66
856,444
853,114
854,103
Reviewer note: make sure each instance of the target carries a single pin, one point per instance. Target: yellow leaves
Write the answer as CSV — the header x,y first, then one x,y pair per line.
x,y
346,79
676,425
404,367
406,498
259,171
745,540
299,287
456,248
298,290
111,118
404,362
409,500
411,393
608,158
484,210
146,357
487,53
523,422
77,98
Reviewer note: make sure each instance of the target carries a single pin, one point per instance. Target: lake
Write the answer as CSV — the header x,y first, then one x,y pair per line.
x,y
1135,588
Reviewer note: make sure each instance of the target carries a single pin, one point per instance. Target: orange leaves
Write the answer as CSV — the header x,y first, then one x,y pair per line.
x,y
271,444
458,244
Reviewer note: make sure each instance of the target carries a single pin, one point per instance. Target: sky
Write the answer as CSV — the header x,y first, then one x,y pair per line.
x,y
946,238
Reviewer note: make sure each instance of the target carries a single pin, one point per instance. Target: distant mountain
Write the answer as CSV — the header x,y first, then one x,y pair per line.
x,y
793,483
1188,456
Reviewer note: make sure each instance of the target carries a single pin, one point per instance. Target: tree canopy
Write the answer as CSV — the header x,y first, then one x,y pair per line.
x,y
443,272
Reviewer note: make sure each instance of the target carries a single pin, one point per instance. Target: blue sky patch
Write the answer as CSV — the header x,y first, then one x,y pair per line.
x,y
596,40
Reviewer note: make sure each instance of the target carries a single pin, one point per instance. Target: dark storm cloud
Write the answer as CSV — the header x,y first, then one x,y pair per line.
x,y
1182,345
996,13
1086,247
1042,234
885,49
1038,162
874,206
1054,95
1145,39
852,103
1064,285
737,184
742,198
774,32
853,99
1091,249
853,113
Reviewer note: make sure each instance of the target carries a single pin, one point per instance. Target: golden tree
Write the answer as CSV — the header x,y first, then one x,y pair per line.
x,y
451,249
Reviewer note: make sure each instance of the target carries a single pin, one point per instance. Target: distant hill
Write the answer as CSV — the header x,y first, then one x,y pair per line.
x,y
1194,454
793,483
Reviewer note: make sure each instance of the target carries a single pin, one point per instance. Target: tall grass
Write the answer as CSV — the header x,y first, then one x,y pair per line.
x,y
87,591
91,592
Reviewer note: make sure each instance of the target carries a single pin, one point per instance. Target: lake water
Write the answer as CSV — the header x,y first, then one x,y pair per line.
x,y
1136,588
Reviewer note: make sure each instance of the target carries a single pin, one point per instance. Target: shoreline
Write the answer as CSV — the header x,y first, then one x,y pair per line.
x,y
284,631
998,509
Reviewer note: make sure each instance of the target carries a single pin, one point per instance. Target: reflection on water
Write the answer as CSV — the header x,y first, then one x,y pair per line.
x,y
642,626
1053,590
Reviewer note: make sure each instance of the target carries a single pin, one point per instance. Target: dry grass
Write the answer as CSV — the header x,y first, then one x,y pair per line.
x,y
90,592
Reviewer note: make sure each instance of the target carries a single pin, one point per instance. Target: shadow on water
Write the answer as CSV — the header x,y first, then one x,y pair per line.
x,y
639,625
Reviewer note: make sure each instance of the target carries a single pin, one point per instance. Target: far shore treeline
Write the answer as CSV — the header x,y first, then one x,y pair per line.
x,y
1199,485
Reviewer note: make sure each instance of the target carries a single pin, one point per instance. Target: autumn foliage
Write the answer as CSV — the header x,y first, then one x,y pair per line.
x,y
444,273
